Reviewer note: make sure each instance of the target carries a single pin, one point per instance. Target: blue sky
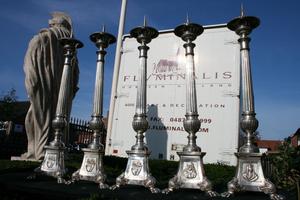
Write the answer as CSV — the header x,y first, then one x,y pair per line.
x,y
275,53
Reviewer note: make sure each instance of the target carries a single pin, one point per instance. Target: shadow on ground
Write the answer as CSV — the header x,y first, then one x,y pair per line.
x,y
16,186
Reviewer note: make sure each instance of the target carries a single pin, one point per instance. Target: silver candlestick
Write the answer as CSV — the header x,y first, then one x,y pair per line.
x,y
137,171
190,172
249,175
92,164
53,164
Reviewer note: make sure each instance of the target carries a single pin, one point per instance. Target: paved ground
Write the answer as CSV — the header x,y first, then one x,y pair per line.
x,y
16,186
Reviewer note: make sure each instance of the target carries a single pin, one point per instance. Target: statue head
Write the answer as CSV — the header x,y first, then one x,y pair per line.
x,y
60,19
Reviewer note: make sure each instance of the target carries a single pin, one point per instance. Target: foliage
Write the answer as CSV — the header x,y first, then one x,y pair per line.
x,y
113,167
219,175
10,96
7,166
7,107
286,173
163,170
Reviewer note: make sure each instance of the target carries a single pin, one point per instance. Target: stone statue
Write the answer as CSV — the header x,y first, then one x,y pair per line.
x,y
43,65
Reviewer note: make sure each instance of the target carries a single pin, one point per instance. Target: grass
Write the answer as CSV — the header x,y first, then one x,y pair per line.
x,y
7,166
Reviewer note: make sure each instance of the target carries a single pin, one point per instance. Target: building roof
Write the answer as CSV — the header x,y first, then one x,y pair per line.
x,y
271,145
296,133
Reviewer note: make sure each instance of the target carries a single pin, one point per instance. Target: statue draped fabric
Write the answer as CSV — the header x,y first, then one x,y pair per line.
x,y
43,66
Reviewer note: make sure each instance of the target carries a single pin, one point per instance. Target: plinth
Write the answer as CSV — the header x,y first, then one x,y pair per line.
x,y
190,173
137,170
91,168
250,176
53,164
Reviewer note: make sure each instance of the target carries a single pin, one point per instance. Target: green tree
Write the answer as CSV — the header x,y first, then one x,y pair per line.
x,y
7,105
287,167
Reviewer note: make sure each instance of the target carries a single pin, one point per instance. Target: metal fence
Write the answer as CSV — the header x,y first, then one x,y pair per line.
x,y
268,165
79,131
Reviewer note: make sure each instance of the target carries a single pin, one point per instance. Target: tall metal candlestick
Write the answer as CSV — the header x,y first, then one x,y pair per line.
x,y
53,164
92,164
191,172
249,175
137,171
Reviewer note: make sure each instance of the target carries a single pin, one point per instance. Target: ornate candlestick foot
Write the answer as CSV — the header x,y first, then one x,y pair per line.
x,y
53,164
137,172
91,168
191,174
250,177
233,187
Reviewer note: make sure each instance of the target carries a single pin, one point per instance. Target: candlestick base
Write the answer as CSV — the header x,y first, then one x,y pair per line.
x,y
91,168
250,177
191,174
53,164
137,172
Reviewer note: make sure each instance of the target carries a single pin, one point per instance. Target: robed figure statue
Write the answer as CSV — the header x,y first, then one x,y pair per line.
x,y
43,66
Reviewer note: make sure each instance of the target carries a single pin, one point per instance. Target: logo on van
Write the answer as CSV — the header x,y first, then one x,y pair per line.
x,y
165,66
